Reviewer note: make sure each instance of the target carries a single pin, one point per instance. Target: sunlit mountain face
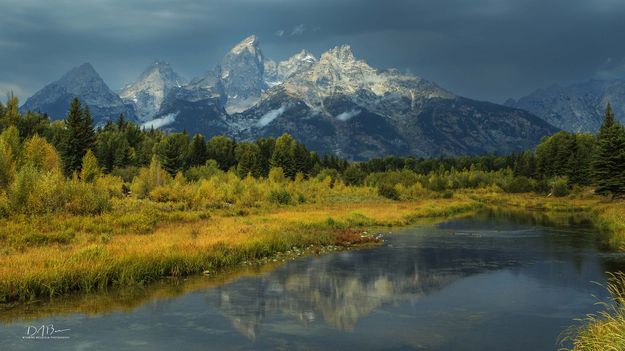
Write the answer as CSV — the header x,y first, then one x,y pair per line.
x,y
335,103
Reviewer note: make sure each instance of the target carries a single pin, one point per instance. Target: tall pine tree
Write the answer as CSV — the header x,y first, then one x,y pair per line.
x,y
197,151
609,160
248,159
79,136
283,155
173,152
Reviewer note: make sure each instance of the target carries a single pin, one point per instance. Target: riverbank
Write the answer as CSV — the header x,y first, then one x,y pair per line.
x,y
141,241
606,329
90,256
606,215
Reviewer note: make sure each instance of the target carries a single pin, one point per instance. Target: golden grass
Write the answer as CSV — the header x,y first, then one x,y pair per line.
x,y
604,331
188,244
125,299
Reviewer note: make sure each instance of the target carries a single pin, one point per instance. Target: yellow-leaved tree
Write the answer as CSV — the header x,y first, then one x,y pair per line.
x,y
90,170
39,154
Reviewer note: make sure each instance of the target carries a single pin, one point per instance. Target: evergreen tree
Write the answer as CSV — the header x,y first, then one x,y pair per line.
x,y
266,146
580,159
79,136
2,111
173,152
609,160
221,149
121,122
248,156
301,159
112,150
197,151
353,175
283,155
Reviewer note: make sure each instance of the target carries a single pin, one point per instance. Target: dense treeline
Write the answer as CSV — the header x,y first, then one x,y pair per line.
x,y
65,161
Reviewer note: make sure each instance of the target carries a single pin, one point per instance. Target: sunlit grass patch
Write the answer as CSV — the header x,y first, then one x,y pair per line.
x,y
604,331
177,246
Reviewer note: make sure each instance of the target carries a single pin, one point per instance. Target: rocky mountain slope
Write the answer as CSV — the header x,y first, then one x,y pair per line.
x,y
335,103
147,93
577,107
339,104
86,84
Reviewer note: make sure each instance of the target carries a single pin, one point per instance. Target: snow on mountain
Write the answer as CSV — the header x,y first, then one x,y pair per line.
x,y
242,71
336,103
150,89
338,72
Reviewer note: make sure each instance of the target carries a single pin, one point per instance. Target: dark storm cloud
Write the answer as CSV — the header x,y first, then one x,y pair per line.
x,y
486,49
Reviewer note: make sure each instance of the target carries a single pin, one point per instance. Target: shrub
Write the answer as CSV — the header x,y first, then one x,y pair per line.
x,y
280,196
39,154
353,175
276,175
49,193
404,177
90,170
448,194
437,182
543,186
208,170
22,187
328,175
86,199
519,185
388,191
149,178
209,194
414,191
252,192
5,208
127,174
560,186
112,184
7,165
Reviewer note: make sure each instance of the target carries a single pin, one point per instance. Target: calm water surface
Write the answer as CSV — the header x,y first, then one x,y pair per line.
x,y
490,282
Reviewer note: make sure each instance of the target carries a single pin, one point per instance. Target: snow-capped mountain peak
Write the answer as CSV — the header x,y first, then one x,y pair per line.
x,y
242,74
335,103
339,72
250,44
150,89
341,53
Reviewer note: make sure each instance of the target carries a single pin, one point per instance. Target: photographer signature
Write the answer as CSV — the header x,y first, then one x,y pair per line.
x,y
44,331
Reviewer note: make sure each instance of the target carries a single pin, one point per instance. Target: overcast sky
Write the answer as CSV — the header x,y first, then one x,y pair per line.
x,y
484,49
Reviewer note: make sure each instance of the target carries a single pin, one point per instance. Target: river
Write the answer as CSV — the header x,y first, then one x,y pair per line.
x,y
492,281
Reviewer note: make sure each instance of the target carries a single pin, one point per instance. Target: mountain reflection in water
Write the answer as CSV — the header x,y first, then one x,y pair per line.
x,y
494,281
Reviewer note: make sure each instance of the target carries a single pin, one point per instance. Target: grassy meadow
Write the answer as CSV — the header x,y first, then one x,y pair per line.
x,y
139,240
85,209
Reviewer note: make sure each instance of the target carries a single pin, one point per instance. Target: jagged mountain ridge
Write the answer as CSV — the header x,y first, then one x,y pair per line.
x,y
335,103
86,84
339,104
578,107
